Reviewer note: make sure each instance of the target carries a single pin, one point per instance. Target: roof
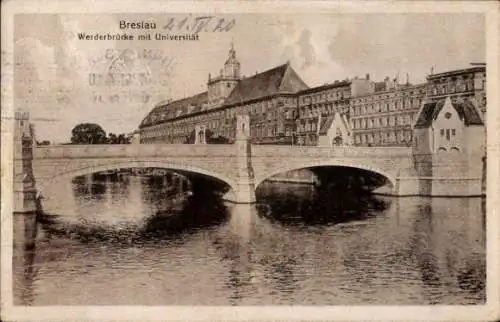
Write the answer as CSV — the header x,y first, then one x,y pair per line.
x,y
176,108
458,72
326,86
326,124
281,79
466,111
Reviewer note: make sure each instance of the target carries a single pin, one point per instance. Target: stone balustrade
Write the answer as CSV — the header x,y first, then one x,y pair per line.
x,y
132,150
196,150
315,151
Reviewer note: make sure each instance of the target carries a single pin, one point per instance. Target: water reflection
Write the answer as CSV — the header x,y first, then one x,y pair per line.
x,y
186,215
137,241
308,205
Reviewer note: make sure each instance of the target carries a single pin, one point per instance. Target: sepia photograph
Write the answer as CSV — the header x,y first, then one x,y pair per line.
x,y
242,157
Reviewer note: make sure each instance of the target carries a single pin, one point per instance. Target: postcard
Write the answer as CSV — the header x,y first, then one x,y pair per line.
x,y
237,160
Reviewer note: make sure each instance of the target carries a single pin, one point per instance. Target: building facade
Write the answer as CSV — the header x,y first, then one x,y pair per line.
x,y
270,98
385,116
468,83
284,110
445,126
320,102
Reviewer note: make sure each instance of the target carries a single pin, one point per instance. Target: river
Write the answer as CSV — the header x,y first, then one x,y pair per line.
x,y
122,241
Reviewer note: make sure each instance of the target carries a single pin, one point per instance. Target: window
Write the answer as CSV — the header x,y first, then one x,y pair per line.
x,y
392,136
453,132
468,85
448,134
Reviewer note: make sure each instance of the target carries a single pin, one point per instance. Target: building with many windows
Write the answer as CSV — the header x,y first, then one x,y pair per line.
x,y
270,98
385,116
324,101
468,83
284,110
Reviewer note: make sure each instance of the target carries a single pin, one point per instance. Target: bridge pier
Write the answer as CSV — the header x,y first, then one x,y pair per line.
x,y
407,187
449,175
26,200
244,191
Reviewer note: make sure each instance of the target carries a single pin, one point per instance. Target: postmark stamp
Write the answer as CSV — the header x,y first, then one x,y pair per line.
x,y
233,161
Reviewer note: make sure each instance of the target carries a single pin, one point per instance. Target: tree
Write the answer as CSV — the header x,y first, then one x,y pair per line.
x,y
44,142
123,139
112,138
118,139
88,133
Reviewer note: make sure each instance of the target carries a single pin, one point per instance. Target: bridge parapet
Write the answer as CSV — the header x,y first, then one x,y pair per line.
x,y
133,150
315,151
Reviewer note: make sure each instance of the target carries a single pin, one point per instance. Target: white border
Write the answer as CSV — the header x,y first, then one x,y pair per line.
x,y
490,311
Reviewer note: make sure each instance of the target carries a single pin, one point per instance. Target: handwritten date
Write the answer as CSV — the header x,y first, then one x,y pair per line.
x,y
199,24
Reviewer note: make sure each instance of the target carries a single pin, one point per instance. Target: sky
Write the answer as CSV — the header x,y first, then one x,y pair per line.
x,y
54,74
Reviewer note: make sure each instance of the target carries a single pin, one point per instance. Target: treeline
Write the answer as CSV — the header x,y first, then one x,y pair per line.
x,y
91,133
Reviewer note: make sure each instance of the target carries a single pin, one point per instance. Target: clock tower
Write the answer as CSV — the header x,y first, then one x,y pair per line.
x,y
221,86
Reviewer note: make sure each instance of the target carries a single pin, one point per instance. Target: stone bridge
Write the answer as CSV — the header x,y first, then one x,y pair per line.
x,y
222,162
242,166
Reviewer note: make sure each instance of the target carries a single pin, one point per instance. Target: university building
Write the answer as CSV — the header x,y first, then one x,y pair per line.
x,y
284,110
270,98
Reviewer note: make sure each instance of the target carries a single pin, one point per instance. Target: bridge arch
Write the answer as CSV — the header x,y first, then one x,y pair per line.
x,y
45,179
315,164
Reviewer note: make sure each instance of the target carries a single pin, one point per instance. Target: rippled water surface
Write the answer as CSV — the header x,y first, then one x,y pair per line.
x,y
124,241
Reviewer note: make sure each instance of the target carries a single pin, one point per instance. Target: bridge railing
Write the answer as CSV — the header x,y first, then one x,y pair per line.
x,y
213,150
133,150
316,151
